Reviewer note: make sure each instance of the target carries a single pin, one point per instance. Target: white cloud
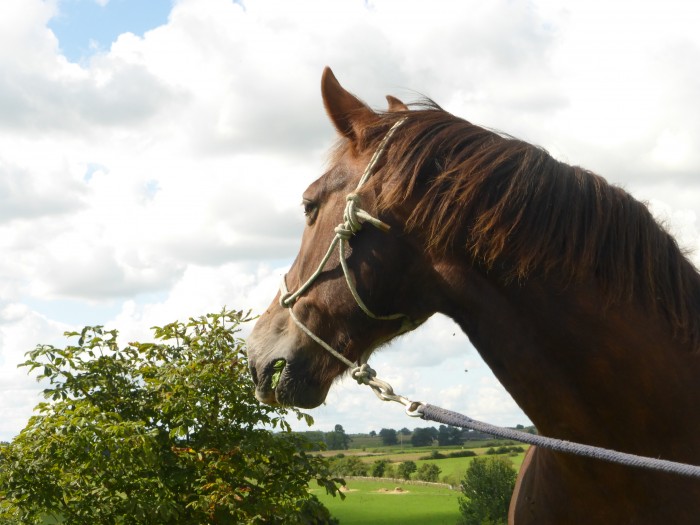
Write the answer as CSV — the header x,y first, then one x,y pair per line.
x,y
162,175
672,150
25,197
21,329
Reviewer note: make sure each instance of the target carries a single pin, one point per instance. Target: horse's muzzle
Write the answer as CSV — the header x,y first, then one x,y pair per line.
x,y
284,375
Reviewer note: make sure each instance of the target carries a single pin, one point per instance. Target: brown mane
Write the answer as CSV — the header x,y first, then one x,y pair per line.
x,y
505,202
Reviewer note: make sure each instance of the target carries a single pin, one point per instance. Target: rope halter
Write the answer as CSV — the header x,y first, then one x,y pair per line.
x,y
353,219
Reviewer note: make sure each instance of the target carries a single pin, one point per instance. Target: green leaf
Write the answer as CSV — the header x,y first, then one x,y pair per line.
x,y
278,368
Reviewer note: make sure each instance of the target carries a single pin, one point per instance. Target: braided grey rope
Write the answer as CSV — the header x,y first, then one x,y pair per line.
x,y
447,417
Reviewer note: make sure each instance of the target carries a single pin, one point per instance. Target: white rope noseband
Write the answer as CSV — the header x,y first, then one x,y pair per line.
x,y
353,219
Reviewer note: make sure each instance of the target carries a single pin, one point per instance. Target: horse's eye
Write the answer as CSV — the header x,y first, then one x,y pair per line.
x,y
310,209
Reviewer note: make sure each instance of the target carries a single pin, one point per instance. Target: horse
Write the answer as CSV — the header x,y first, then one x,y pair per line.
x,y
583,306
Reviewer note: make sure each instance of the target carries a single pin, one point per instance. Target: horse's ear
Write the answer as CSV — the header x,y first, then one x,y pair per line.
x,y
395,104
348,113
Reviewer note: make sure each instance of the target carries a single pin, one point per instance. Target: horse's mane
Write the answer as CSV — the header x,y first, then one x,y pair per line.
x,y
514,208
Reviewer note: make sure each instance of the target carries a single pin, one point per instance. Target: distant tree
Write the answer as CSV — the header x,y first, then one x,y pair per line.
x,y
388,436
339,430
449,436
372,433
379,468
405,431
443,436
315,438
338,439
422,437
165,432
428,472
487,488
348,466
405,469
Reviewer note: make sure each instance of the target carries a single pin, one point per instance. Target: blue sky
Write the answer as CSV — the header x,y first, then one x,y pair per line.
x,y
155,177
85,26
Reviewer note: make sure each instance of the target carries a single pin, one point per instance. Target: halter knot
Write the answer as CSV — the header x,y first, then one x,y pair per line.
x,y
363,374
352,216
344,231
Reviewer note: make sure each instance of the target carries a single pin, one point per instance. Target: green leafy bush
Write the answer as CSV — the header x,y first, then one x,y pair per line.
x,y
379,468
405,469
428,472
342,465
462,454
505,450
487,488
163,433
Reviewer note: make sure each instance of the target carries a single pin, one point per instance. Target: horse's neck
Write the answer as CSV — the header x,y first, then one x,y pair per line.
x,y
608,376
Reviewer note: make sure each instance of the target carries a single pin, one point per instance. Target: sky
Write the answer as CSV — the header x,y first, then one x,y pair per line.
x,y
153,154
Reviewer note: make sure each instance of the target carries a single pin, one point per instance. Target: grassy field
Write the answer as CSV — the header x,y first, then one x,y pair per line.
x,y
376,503
366,502
451,469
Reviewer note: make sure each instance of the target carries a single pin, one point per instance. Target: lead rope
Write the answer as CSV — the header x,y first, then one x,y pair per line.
x,y
353,219
447,417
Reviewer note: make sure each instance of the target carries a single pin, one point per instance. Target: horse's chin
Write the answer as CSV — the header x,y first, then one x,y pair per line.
x,y
291,391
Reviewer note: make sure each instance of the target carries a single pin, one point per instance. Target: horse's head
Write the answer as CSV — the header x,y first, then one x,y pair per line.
x,y
316,305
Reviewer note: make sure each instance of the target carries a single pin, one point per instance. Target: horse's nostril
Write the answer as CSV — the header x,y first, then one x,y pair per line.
x,y
254,373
